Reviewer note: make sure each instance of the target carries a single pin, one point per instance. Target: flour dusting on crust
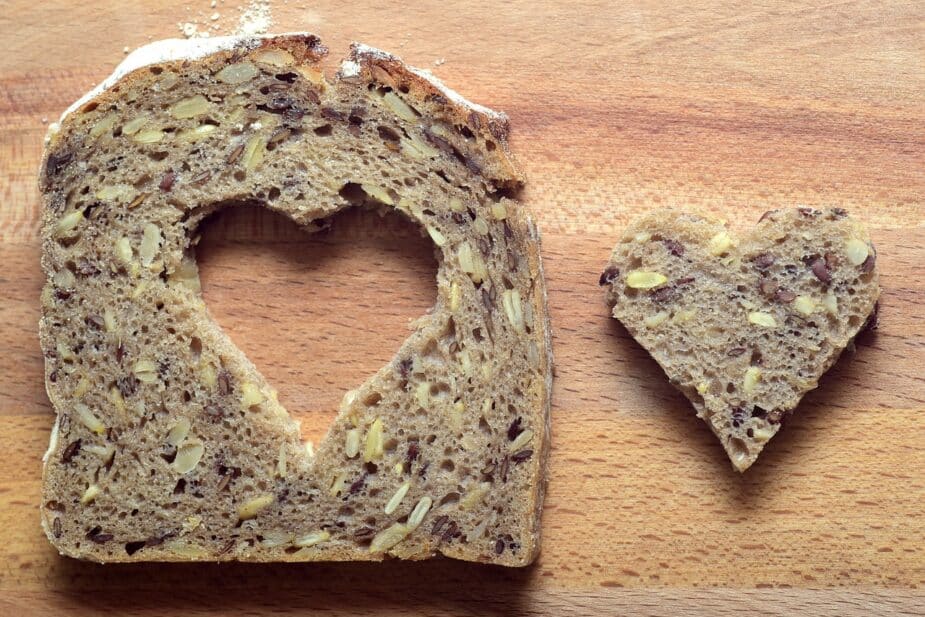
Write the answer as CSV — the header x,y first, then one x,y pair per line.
x,y
167,50
349,69
359,51
454,96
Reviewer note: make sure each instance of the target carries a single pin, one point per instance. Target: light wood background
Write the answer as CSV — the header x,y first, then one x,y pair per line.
x,y
617,107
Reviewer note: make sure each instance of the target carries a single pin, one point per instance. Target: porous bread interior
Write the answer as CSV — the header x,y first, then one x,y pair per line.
x,y
462,409
699,324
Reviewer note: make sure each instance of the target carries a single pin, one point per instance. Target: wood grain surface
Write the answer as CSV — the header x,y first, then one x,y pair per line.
x,y
723,107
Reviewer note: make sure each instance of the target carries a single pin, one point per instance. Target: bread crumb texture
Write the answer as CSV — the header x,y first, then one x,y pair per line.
x,y
168,444
744,327
254,17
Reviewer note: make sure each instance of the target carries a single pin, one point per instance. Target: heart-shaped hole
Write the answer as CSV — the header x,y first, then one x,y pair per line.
x,y
317,313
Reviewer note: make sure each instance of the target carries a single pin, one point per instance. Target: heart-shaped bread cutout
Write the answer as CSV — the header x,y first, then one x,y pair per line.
x,y
169,445
744,328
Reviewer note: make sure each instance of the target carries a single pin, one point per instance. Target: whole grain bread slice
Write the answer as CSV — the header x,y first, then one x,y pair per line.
x,y
168,444
744,328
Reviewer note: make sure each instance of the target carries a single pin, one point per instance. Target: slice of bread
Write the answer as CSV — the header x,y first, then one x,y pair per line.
x,y
169,445
744,328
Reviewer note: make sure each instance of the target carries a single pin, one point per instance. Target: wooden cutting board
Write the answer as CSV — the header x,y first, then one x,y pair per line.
x,y
616,108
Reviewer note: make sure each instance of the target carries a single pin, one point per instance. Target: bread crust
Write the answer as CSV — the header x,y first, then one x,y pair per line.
x,y
386,69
